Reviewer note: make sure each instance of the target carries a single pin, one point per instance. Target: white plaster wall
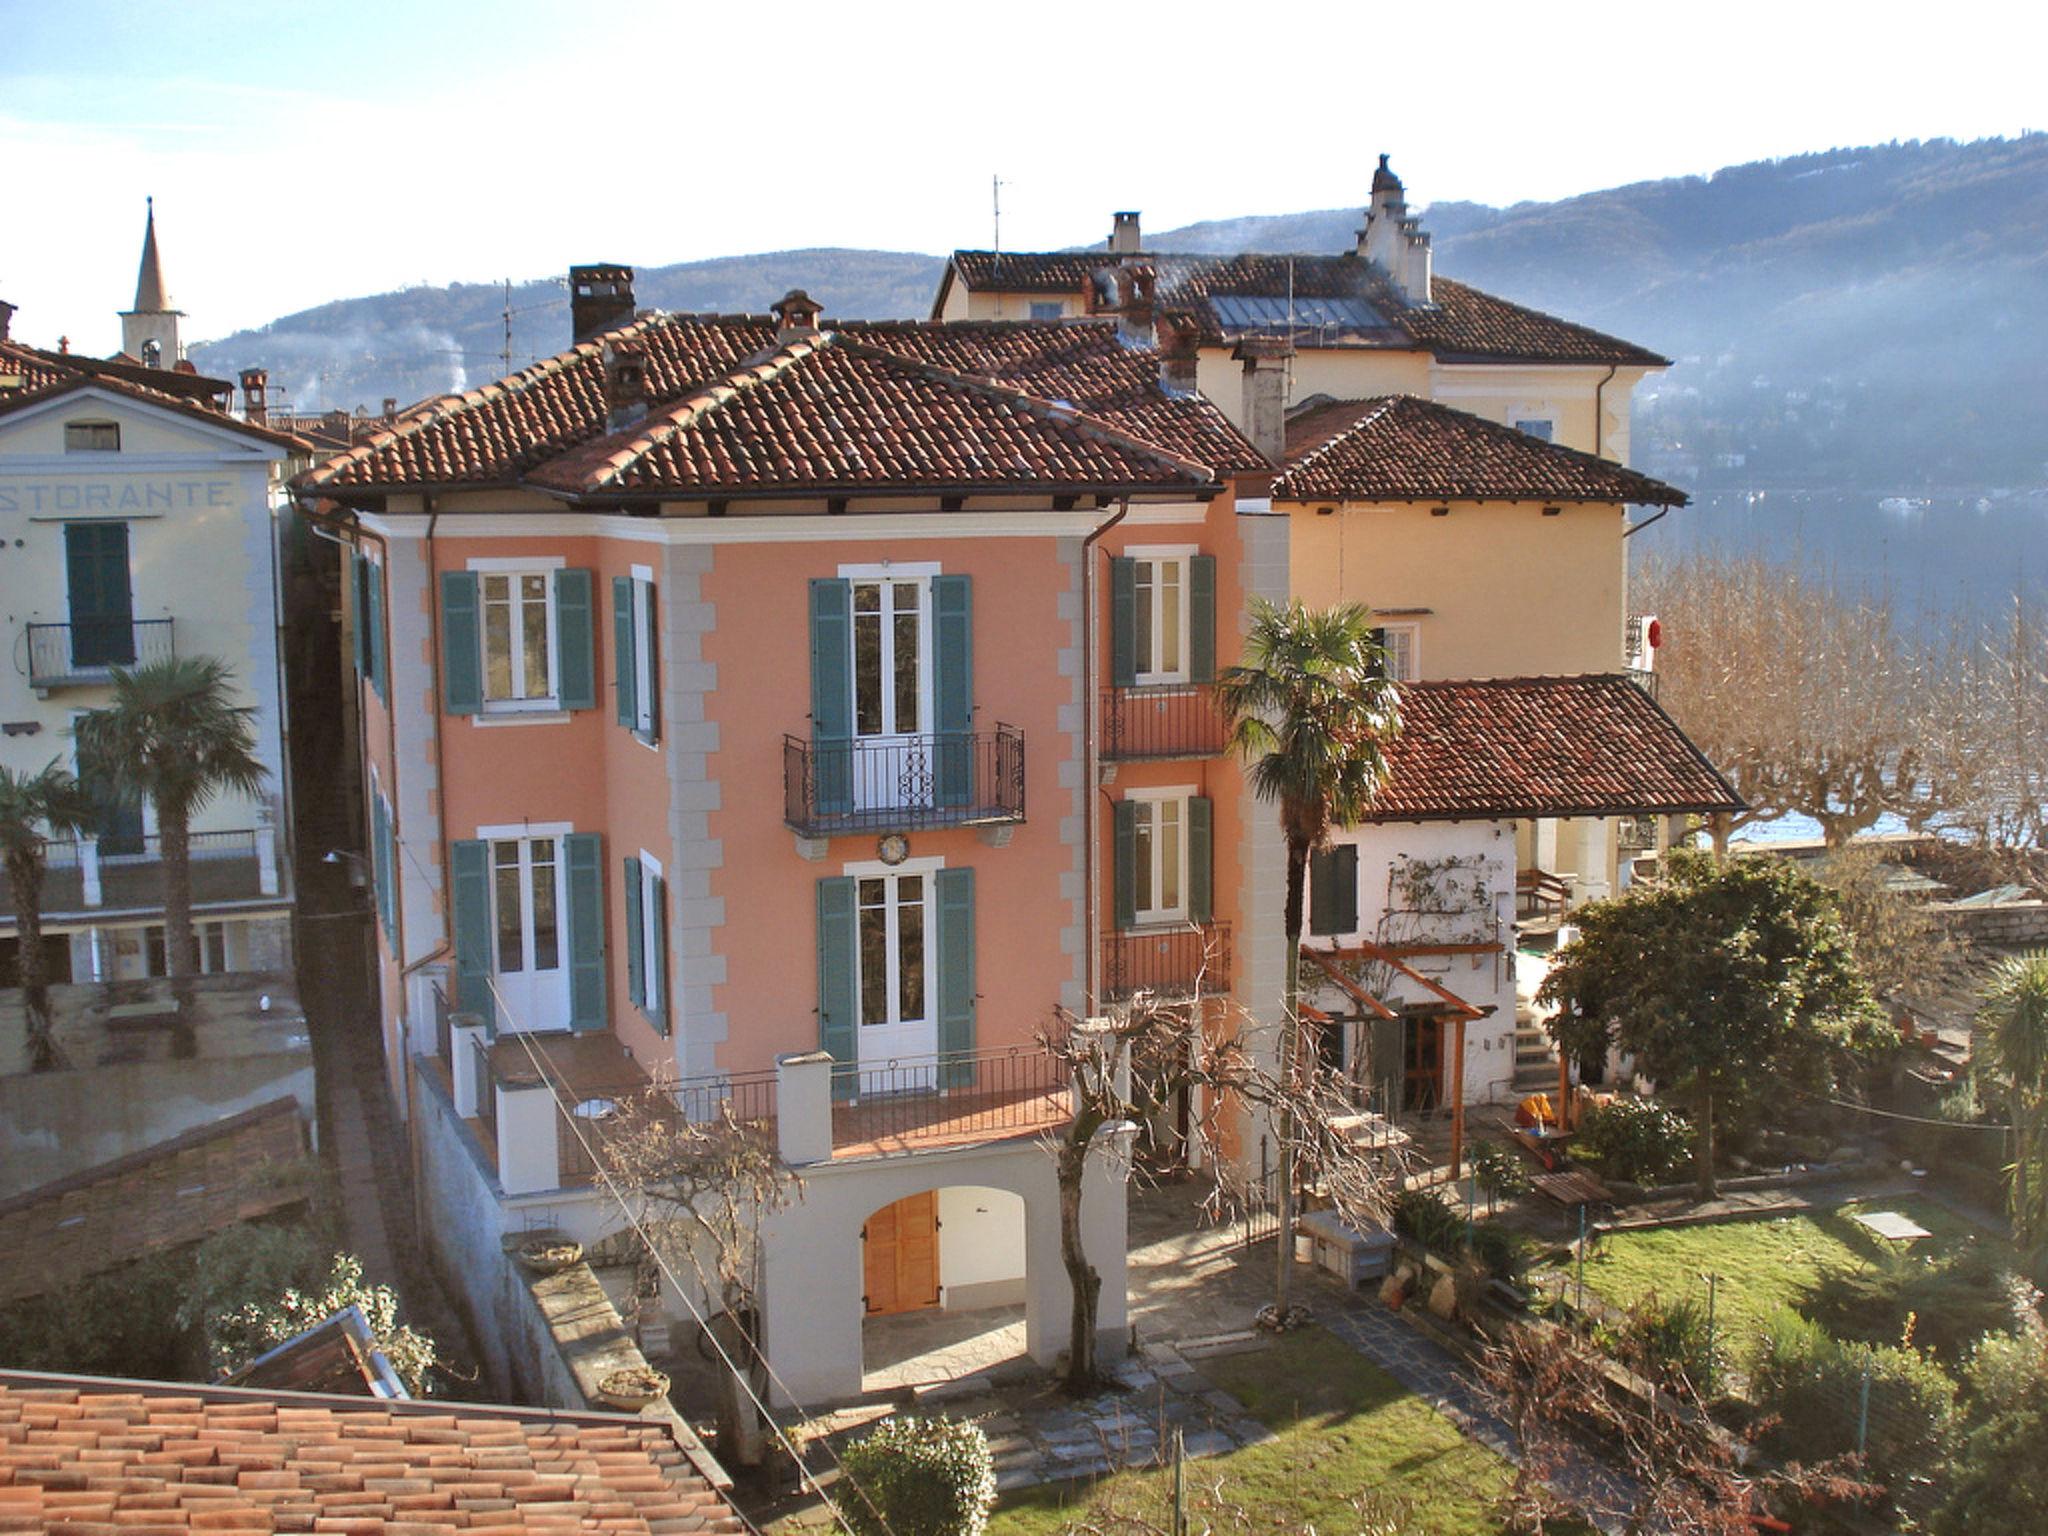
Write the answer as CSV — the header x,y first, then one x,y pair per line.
x,y
981,1247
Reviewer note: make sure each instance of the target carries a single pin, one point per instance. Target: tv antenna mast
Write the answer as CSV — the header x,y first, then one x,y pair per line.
x,y
995,197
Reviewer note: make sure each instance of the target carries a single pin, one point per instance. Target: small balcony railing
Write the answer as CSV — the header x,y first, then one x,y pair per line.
x,y
121,873
904,783
960,1096
1167,962
1160,722
78,654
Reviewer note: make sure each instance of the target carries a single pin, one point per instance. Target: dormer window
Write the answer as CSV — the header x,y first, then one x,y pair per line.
x,y
92,437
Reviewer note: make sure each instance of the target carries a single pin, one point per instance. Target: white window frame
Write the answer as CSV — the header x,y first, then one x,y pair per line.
x,y
512,567
1523,422
1057,306
919,573
1152,822
1409,635
643,655
651,937
93,424
1181,557
526,833
873,869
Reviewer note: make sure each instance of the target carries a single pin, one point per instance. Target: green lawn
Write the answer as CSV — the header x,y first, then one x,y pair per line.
x,y
1343,1427
1763,1262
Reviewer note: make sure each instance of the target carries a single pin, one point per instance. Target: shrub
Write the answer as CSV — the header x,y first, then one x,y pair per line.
x,y
1427,1216
1638,1140
1998,1480
1497,1250
1498,1170
919,1477
1947,1304
1812,1384
1670,1340
236,1337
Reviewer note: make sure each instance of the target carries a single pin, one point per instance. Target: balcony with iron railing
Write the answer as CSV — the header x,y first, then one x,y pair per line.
x,y
104,875
1166,962
903,783
1160,722
85,652
539,1109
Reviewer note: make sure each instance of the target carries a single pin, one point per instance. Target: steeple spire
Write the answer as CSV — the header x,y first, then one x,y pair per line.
x,y
150,295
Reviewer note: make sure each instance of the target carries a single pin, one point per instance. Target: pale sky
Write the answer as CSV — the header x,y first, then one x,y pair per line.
x,y
306,152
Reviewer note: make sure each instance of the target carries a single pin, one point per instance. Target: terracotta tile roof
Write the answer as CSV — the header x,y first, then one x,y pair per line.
x,y
99,1456
164,1196
46,375
1399,447
1460,324
1543,746
829,414
873,405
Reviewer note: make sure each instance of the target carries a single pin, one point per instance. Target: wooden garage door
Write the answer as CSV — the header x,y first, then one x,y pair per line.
x,y
902,1255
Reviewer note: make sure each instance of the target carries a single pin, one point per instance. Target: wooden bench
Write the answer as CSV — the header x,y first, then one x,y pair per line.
x,y
1536,889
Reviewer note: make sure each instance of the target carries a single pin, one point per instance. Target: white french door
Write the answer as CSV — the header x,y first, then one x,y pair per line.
x,y
528,935
898,1016
892,691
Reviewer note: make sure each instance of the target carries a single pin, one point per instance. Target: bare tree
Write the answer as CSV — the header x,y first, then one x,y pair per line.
x,y
1132,1063
702,1192
1631,1454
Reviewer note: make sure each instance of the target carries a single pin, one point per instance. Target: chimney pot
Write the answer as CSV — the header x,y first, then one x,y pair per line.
x,y
1136,288
1124,239
600,298
1179,355
625,384
391,407
6,318
1264,406
796,316
256,395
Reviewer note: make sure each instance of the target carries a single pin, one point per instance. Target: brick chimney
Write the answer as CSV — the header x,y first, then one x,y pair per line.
x,y
625,384
1179,355
6,318
1393,239
796,317
600,298
1124,239
1263,415
1136,306
391,407
256,396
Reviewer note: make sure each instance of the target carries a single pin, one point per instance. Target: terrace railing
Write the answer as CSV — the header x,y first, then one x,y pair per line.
x,y
79,654
1160,722
960,1096
904,783
1167,962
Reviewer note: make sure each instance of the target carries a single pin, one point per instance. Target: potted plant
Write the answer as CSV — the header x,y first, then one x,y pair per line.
x,y
548,1255
632,1387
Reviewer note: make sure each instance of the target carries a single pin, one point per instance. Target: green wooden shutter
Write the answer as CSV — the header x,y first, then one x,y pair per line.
x,y
585,854
1384,1066
953,687
471,859
1201,858
1333,890
388,895
636,981
359,607
102,603
462,644
653,663
1202,619
658,1013
1125,884
1377,666
1345,858
1123,622
832,693
625,672
956,976
380,667
380,872
575,641
838,990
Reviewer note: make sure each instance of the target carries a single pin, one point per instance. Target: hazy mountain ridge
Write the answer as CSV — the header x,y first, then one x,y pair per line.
x,y
1870,316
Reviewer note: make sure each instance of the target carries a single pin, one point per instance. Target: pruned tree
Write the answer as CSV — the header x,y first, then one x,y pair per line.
x,y
1631,1455
33,807
1726,979
1135,1061
701,1191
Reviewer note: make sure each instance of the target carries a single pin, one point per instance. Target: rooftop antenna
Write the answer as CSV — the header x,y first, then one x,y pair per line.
x,y
1290,330
995,197
508,329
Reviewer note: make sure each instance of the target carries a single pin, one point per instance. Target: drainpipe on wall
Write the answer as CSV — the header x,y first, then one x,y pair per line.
x,y
1600,409
1090,754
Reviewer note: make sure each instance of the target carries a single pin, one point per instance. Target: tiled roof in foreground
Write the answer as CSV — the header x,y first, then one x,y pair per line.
x,y
97,1455
1400,447
1595,745
165,1196
858,405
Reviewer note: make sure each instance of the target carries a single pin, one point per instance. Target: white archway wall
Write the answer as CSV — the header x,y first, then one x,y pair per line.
x,y
981,1247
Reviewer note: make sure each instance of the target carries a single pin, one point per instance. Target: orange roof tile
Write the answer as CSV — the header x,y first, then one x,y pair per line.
x,y
1595,745
1399,447
92,1454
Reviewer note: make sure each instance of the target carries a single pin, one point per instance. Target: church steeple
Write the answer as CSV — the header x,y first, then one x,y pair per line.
x,y
149,331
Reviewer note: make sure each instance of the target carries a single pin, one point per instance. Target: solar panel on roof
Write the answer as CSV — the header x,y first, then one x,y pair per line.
x,y
1261,312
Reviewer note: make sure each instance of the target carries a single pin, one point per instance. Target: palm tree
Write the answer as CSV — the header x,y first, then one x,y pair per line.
x,y
2013,1018
33,806
1312,712
171,736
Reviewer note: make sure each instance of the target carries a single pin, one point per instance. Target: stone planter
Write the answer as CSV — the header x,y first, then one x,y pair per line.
x,y
633,1388
548,1257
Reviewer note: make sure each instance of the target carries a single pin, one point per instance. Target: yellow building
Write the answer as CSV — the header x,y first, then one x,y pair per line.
x,y
136,520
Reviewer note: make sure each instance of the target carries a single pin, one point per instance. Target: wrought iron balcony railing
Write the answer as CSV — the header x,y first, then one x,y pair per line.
x,y
78,654
1160,722
903,783
1167,962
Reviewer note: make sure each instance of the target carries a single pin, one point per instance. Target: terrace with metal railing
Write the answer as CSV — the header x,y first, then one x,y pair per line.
x,y
84,653
109,875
